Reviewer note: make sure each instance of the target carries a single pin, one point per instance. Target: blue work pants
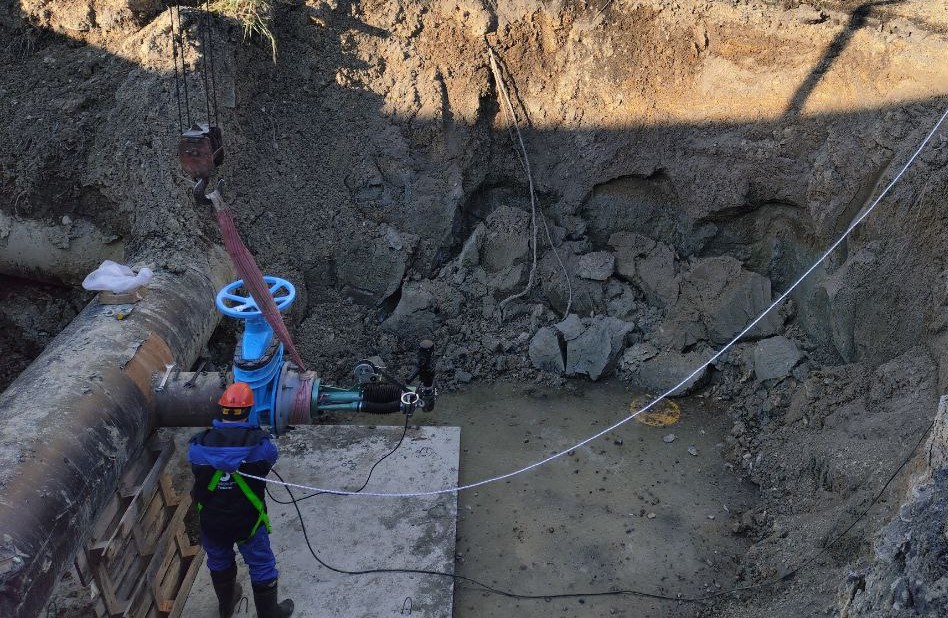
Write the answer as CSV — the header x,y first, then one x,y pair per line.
x,y
256,552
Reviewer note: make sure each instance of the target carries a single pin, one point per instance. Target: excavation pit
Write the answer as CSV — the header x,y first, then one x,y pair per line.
x,y
689,159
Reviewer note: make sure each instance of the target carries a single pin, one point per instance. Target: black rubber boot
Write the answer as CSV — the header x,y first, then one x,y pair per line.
x,y
227,589
265,600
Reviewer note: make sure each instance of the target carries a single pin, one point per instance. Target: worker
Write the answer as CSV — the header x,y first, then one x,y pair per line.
x,y
232,507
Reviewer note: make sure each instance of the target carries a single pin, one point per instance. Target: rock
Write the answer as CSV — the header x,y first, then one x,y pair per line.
x,y
639,353
545,351
571,327
463,376
597,266
413,316
692,451
717,299
653,370
506,239
587,294
775,358
669,438
507,280
371,271
618,442
651,516
471,251
648,264
595,351
579,347
624,305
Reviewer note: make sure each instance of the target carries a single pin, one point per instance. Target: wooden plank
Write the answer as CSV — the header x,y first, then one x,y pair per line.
x,y
131,578
107,549
136,599
171,495
98,607
165,551
184,545
108,517
168,586
134,557
151,525
112,603
135,473
83,568
181,597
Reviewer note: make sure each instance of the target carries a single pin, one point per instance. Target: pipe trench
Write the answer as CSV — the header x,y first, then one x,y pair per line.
x,y
74,418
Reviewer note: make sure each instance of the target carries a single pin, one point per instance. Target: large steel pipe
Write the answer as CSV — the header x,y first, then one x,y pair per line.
x,y
190,400
55,253
78,414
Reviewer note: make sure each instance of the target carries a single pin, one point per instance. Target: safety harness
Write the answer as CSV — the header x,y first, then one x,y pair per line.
x,y
257,503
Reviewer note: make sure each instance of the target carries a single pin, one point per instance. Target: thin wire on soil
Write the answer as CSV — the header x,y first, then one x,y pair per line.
x,y
534,212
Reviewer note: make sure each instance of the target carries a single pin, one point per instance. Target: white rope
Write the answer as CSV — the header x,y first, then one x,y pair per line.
x,y
525,162
448,490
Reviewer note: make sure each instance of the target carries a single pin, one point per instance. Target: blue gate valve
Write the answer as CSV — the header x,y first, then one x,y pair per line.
x,y
260,357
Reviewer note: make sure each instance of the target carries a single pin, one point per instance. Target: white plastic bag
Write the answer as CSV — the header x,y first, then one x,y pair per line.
x,y
116,278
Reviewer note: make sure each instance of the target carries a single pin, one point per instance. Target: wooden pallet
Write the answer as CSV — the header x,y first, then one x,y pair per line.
x,y
139,556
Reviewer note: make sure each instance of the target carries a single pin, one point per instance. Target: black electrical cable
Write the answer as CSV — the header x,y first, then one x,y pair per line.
x,y
210,54
482,586
203,30
367,478
792,573
184,66
177,82
682,599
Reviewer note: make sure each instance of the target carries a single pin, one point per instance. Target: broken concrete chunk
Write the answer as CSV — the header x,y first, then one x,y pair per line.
x,y
374,269
623,306
507,280
775,358
597,266
589,353
545,351
587,295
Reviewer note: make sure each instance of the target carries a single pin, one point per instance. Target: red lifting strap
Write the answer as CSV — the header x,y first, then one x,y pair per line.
x,y
248,270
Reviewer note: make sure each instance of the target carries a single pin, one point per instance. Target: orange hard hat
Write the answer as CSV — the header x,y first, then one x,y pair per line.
x,y
237,395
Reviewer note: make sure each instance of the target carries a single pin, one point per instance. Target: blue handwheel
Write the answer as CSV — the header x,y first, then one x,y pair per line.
x,y
242,306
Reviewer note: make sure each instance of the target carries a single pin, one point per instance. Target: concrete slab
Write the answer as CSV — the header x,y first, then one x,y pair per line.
x,y
359,533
